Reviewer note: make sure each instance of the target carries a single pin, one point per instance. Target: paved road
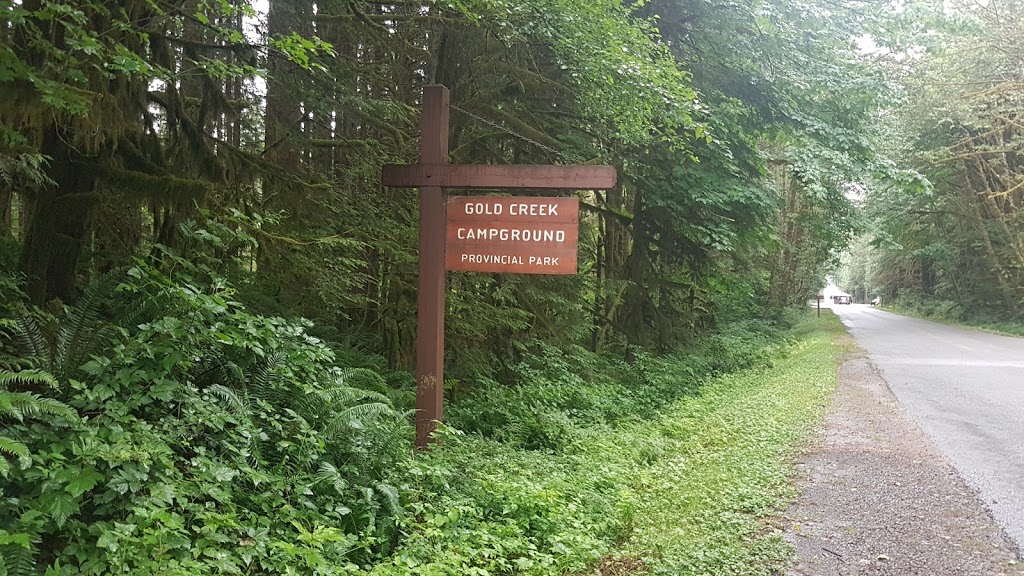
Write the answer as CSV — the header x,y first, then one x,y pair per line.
x,y
966,390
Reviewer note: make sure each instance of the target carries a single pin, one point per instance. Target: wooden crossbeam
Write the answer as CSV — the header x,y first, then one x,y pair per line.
x,y
497,176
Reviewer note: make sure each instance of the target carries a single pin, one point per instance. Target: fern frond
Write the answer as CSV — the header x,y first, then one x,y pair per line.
x,y
362,377
133,315
19,560
239,405
328,474
354,416
347,394
16,449
326,403
392,502
236,403
81,328
27,378
365,411
9,407
234,372
31,339
21,405
263,379
14,363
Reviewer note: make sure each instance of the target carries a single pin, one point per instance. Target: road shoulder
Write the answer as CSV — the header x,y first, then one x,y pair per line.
x,y
876,497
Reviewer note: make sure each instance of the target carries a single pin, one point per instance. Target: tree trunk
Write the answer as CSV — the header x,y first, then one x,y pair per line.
x,y
283,122
58,219
995,265
6,206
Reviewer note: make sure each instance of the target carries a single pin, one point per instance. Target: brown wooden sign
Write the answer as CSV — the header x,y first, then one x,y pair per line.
x,y
432,175
515,235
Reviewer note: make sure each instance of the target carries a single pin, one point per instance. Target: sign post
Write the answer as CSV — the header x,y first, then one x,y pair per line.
x,y
486,234
430,293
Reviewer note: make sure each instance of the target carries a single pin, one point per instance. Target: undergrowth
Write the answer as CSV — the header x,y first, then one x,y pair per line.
x,y
683,492
950,312
158,427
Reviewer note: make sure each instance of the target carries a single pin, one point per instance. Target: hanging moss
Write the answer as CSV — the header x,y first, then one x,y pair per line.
x,y
164,189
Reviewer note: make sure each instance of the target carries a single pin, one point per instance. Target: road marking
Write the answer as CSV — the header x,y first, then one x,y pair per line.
x,y
949,362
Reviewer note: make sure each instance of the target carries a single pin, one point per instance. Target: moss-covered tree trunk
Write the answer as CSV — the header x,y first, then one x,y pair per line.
x,y
57,220
6,211
283,123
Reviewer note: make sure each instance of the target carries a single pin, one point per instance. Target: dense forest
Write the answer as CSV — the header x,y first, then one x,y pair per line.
x,y
208,299
948,239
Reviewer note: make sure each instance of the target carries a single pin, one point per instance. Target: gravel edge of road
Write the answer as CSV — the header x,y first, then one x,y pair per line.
x,y
876,496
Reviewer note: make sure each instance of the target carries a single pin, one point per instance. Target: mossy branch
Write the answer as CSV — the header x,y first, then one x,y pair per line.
x,y
160,186
341,143
623,217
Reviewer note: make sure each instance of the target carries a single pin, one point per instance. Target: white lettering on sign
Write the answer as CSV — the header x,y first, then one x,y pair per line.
x,y
495,209
484,209
510,234
533,209
543,261
492,259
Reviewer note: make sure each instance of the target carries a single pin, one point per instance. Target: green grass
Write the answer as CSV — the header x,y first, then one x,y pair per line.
x,y
684,493
701,509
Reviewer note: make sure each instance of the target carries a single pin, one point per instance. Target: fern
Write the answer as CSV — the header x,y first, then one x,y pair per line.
x,y
26,377
82,328
16,449
238,404
31,340
256,385
354,417
389,494
329,474
363,378
22,405
264,380
80,331
341,394
17,560
339,407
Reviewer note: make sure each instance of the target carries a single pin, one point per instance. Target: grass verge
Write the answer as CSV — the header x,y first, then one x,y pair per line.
x,y
683,493
701,509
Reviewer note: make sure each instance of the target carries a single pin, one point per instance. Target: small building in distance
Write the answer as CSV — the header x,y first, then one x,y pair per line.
x,y
833,295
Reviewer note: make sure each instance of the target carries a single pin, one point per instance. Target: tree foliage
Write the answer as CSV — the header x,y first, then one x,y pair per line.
x,y
217,283
948,233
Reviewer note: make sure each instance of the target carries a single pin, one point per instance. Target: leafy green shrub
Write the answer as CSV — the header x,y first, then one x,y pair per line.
x,y
486,507
955,312
212,441
19,406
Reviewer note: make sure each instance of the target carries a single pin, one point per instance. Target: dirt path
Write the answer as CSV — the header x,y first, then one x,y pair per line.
x,y
877,498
